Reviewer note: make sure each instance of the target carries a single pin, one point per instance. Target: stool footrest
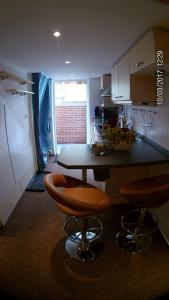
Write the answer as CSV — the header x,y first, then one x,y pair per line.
x,y
137,228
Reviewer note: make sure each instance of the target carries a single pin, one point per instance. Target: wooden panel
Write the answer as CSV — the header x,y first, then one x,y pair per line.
x,y
119,176
105,81
142,89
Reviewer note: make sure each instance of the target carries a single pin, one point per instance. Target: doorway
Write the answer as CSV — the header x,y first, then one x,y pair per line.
x,y
70,99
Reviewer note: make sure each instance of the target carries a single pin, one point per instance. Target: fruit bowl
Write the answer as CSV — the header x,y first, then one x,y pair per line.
x,y
121,146
119,139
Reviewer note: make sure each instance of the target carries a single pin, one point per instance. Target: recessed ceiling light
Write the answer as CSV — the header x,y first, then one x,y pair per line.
x,y
57,34
67,62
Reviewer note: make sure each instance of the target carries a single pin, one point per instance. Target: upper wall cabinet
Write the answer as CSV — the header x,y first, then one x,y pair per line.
x,y
144,53
115,83
147,58
121,81
124,78
135,77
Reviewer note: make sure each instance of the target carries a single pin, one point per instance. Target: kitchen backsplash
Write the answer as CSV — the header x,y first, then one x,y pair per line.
x,y
153,122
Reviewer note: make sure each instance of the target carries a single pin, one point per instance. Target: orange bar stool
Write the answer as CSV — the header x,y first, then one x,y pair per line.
x,y
138,224
80,201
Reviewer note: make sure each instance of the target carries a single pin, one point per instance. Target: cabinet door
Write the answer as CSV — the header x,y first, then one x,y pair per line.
x,y
114,83
124,79
143,89
143,53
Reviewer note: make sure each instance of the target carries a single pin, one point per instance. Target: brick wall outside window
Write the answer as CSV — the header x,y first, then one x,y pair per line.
x,y
71,124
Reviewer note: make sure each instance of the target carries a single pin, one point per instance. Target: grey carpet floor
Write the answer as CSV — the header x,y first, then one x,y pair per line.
x,y
34,264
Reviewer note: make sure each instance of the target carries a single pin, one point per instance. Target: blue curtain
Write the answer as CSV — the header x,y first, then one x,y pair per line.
x,y
42,104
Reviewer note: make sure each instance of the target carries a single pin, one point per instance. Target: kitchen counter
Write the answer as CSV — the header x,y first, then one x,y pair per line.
x,y
80,156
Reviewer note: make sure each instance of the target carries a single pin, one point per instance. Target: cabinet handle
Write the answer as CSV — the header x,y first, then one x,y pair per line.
x,y
120,96
139,64
116,97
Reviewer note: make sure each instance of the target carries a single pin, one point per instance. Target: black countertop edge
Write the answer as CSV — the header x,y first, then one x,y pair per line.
x,y
155,145
123,165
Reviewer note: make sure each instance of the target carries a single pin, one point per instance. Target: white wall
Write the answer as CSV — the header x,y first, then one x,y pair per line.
x,y
17,163
93,100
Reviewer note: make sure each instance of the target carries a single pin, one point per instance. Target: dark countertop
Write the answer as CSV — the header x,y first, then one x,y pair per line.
x,y
80,156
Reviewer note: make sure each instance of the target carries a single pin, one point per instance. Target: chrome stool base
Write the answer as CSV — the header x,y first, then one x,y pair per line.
x,y
79,251
77,237
137,228
81,233
127,241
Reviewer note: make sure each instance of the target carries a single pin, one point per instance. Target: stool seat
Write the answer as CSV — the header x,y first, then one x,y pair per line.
x,y
90,201
145,194
148,193
76,197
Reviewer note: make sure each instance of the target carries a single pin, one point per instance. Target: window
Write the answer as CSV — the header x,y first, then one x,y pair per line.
x,y
68,92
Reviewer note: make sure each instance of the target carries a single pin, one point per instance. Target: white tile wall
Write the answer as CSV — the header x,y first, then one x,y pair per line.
x,y
156,117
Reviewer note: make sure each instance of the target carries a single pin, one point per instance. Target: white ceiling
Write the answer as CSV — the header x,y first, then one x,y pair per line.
x,y
95,33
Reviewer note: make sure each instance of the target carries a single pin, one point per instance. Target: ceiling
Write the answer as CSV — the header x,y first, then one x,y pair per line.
x,y
95,33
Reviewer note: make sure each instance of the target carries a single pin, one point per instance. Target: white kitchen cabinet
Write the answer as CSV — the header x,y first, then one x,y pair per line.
x,y
9,191
17,164
124,78
19,138
144,53
17,159
121,81
134,77
115,82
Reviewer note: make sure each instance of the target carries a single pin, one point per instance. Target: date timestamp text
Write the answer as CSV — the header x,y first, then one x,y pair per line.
x,y
159,76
